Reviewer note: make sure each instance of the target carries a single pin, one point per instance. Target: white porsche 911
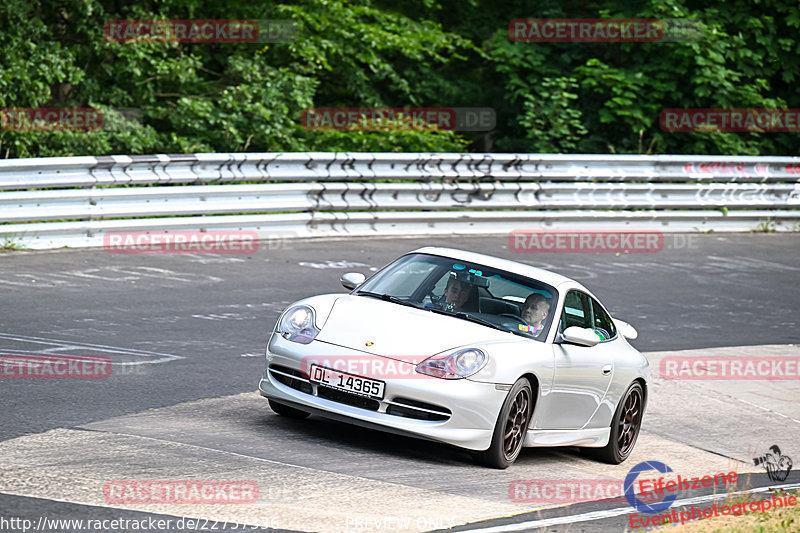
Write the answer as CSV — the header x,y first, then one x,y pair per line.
x,y
483,353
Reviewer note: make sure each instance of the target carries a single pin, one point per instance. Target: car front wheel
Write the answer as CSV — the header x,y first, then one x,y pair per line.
x,y
510,428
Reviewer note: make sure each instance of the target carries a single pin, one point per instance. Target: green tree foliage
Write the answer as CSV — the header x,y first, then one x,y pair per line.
x,y
217,97
548,97
746,56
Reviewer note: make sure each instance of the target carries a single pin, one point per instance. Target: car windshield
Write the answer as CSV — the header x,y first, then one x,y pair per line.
x,y
468,291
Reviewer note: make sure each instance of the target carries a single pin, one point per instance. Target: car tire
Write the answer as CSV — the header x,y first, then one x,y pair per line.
x,y
285,410
510,428
624,428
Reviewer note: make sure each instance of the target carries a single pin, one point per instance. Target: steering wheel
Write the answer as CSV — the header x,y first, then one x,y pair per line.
x,y
515,317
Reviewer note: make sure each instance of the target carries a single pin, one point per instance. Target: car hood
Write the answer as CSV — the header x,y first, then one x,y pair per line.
x,y
399,332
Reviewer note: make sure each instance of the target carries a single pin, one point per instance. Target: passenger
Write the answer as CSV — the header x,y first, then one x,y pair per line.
x,y
535,311
459,296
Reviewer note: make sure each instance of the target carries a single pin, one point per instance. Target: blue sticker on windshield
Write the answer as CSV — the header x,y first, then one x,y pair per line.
x,y
458,267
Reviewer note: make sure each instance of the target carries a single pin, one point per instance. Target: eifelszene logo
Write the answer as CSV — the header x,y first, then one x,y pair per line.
x,y
639,504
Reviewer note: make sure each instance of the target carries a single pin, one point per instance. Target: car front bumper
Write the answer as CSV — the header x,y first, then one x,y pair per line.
x,y
463,412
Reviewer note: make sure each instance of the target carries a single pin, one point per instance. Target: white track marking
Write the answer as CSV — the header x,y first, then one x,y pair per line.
x,y
56,346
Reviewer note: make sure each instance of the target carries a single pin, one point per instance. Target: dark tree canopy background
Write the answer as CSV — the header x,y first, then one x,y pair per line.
x,y
549,97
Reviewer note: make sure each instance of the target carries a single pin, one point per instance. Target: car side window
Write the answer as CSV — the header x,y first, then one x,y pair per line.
x,y
577,311
601,322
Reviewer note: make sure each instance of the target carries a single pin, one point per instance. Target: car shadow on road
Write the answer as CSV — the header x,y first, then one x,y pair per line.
x,y
358,440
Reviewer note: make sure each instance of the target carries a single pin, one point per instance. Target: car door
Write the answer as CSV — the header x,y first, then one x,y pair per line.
x,y
582,374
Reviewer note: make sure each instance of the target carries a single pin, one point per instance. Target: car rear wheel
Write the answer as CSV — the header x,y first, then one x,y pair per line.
x,y
510,428
285,410
624,428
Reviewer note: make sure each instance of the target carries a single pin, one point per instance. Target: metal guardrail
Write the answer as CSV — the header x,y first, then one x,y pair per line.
x,y
73,201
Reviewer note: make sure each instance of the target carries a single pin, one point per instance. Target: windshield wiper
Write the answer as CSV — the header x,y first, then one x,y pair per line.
x,y
387,298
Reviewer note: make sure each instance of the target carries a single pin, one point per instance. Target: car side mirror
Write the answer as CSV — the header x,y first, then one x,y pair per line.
x,y
351,280
628,331
579,336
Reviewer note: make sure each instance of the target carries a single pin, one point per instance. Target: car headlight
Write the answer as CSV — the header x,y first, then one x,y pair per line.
x,y
456,365
297,324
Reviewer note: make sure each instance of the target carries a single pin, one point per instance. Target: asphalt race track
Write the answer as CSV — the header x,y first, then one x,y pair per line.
x,y
186,336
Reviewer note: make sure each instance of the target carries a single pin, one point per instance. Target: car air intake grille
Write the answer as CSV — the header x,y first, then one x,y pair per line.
x,y
408,408
280,374
350,399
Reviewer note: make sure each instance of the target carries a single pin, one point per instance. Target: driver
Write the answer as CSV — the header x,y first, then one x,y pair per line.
x,y
459,295
535,311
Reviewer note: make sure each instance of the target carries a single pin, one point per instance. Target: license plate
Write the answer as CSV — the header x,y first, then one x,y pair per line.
x,y
336,379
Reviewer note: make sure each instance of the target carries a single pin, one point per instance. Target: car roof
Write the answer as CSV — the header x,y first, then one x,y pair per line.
x,y
551,278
